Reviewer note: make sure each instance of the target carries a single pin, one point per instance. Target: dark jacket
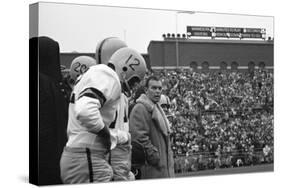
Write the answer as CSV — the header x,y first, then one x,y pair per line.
x,y
52,130
50,136
149,126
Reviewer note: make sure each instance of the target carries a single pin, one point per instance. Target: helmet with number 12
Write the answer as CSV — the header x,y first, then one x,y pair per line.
x,y
130,67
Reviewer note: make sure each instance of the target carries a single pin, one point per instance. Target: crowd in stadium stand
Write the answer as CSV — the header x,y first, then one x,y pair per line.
x,y
220,119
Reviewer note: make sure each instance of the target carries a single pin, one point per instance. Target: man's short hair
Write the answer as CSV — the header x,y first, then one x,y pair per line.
x,y
155,78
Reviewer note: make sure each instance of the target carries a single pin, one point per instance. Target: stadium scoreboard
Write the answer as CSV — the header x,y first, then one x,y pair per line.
x,y
225,32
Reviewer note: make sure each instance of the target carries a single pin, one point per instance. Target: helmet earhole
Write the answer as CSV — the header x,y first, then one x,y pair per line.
x,y
125,69
111,66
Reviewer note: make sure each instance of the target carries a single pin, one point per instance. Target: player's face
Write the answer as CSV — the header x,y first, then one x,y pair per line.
x,y
154,90
165,107
129,87
133,83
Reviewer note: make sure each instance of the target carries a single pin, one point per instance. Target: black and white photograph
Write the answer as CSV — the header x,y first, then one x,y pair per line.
x,y
132,94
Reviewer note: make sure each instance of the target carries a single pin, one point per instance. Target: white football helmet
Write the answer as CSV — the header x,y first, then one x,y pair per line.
x,y
164,100
107,47
79,65
130,67
165,104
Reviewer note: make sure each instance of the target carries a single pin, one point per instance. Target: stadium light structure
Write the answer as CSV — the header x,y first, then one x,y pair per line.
x,y
177,42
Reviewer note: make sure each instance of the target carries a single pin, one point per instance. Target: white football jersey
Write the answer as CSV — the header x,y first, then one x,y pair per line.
x,y
120,133
94,102
122,122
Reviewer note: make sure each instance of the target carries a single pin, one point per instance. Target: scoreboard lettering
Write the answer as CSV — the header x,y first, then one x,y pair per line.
x,y
234,35
221,35
200,33
197,28
228,29
252,30
251,35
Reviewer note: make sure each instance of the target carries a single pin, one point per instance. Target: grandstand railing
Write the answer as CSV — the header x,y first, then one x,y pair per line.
x,y
213,160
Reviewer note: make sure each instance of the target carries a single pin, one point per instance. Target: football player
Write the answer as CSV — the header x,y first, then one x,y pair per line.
x,y
121,153
92,111
120,156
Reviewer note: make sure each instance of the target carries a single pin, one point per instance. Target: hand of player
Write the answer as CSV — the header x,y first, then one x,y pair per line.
x,y
123,137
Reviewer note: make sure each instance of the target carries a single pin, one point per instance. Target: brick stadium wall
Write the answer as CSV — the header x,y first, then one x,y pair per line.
x,y
163,53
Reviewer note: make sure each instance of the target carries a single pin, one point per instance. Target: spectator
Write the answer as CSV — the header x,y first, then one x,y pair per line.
x,y
149,126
